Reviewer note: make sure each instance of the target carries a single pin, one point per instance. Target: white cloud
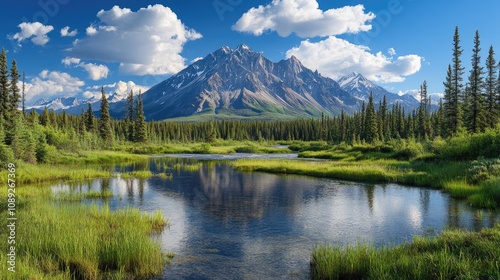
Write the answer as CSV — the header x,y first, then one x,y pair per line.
x,y
34,30
147,41
304,18
334,57
120,88
96,72
68,61
66,33
90,31
52,83
391,52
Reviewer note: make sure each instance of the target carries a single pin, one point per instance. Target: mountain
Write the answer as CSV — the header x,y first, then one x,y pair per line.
x,y
360,87
60,103
73,105
241,83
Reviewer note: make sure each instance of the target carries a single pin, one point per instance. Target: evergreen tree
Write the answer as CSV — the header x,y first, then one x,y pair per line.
x,y
129,116
15,96
105,131
475,117
4,87
383,119
371,121
454,113
423,113
89,123
23,98
491,89
44,120
140,121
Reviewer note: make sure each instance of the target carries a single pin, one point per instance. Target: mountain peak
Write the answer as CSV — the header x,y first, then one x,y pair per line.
x,y
243,47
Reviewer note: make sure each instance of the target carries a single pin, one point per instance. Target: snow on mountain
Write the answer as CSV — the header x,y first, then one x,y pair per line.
x,y
360,87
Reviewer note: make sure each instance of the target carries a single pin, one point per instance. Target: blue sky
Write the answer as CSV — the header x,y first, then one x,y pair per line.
x,y
71,47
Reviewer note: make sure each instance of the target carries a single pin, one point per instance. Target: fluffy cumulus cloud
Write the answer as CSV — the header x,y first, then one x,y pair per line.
x,y
34,30
95,71
119,89
147,41
68,61
49,84
334,57
304,18
66,33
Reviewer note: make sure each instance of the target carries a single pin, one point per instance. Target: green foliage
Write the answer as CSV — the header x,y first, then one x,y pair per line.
x,y
482,170
452,255
6,156
140,122
74,241
105,131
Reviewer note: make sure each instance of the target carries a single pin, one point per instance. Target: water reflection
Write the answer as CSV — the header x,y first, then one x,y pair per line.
x,y
227,224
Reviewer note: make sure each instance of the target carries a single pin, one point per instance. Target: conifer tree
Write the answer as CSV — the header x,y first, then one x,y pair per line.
x,y
129,116
475,117
491,89
371,121
105,121
453,108
4,87
89,122
14,97
44,120
423,113
140,121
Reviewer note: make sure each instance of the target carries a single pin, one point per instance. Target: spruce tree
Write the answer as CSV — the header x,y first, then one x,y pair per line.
x,y
89,122
105,121
423,113
455,110
44,119
4,87
140,121
129,116
491,89
475,104
371,121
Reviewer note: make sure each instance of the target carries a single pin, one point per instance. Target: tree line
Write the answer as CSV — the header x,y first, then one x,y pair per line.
x,y
466,108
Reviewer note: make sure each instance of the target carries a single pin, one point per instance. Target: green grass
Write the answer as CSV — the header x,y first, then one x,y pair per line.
x,y
32,174
71,240
454,254
362,172
64,196
139,174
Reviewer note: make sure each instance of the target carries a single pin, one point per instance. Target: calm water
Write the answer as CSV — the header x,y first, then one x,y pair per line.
x,y
232,225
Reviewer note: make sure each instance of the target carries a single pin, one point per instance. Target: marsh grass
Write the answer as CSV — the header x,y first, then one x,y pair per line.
x,y
32,174
138,174
71,240
454,254
362,172
187,166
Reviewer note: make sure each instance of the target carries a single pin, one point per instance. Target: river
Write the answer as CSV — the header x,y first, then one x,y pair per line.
x,y
234,225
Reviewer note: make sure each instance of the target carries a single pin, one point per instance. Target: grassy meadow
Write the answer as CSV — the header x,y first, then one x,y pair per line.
x,y
454,254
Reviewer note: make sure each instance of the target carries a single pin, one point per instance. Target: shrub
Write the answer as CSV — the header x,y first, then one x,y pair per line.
x,y
482,170
6,156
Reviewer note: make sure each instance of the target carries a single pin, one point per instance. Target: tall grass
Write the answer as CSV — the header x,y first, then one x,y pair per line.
x,y
454,254
64,241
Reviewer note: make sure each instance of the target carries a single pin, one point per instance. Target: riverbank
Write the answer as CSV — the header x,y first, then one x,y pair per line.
x,y
454,254
56,239
477,181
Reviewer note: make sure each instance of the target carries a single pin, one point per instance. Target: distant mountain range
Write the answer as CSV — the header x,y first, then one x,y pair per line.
x,y
243,84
